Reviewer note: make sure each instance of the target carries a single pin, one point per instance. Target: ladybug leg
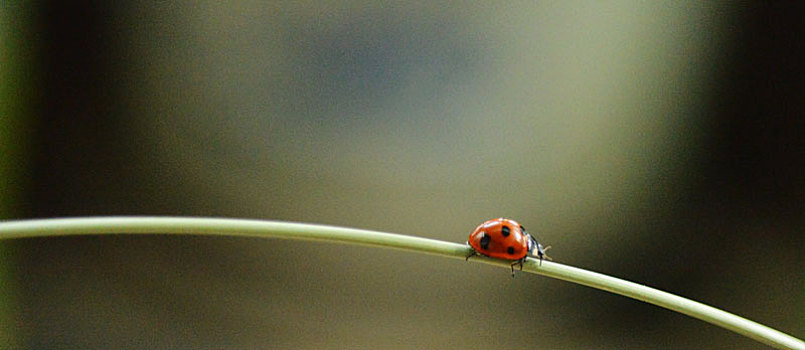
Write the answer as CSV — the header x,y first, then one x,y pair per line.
x,y
474,253
517,262
541,253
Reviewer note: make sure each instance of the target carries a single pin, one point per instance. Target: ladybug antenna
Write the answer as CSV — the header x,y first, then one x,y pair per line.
x,y
545,250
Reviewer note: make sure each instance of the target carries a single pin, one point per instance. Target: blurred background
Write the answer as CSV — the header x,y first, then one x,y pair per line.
x,y
660,142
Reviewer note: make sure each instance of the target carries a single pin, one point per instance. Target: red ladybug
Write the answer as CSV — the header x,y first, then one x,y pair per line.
x,y
505,239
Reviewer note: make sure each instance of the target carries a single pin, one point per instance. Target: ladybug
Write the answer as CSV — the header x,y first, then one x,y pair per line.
x,y
505,239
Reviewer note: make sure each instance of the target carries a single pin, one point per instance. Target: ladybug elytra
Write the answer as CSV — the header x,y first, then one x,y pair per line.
x,y
505,239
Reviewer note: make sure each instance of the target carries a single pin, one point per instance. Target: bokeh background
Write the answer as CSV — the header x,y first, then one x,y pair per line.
x,y
660,142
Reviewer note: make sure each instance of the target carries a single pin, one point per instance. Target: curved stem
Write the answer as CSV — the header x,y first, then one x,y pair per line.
x,y
299,231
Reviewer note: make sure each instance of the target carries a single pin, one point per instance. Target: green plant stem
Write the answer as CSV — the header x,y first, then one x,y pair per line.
x,y
299,231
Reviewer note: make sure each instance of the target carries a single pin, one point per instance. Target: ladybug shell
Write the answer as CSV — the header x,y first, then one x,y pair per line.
x,y
500,238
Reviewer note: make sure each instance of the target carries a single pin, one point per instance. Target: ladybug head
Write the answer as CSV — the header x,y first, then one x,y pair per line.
x,y
537,250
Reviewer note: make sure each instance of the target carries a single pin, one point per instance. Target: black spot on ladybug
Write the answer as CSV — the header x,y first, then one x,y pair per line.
x,y
506,231
485,238
510,250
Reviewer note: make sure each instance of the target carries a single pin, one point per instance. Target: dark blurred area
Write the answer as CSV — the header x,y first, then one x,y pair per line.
x,y
657,142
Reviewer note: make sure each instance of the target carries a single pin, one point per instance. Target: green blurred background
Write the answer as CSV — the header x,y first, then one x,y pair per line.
x,y
661,142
